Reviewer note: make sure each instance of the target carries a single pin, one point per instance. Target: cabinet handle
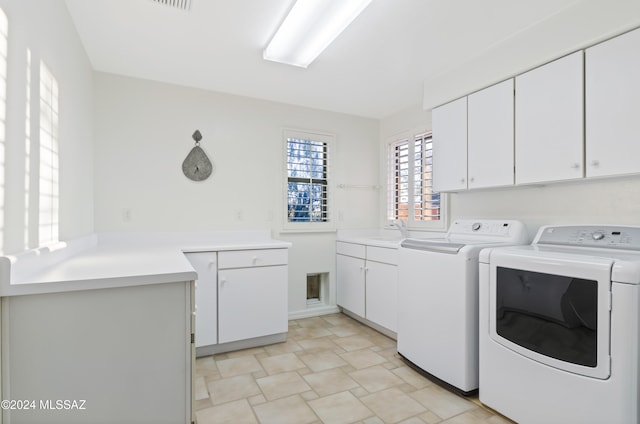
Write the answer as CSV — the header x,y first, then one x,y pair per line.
x,y
223,280
575,166
462,180
472,179
595,163
254,260
361,268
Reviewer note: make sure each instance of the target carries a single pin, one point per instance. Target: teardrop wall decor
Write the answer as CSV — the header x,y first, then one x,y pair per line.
x,y
197,166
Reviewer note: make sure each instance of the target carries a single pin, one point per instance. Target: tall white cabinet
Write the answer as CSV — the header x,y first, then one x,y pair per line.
x,y
549,122
612,106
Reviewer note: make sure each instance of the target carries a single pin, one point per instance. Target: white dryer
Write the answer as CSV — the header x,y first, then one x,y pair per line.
x,y
438,298
560,326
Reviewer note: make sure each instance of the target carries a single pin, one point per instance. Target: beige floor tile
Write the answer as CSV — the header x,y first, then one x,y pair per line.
x,y
302,333
430,418
228,413
313,322
233,388
245,364
245,352
337,319
201,391
362,358
206,366
256,400
412,420
353,342
466,418
284,347
281,363
345,330
376,378
373,420
317,345
340,408
412,377
442,402
289,410
330,381
282,385
322,360
392,405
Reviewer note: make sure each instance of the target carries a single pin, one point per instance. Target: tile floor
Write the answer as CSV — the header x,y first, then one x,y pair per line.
x,y
331,369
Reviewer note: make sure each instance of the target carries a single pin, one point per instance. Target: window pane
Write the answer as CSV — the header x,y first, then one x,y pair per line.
x,y
307,168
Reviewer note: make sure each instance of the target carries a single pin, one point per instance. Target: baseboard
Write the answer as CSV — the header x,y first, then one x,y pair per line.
x,y
314,312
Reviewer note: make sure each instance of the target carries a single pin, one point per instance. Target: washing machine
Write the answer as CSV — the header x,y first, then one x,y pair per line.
x,y
559,326
438,299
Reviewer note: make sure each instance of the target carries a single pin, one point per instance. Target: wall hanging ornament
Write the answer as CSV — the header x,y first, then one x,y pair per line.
x,y
196,165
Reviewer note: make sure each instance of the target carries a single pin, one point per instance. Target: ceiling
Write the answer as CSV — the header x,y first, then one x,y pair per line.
x,y
387,60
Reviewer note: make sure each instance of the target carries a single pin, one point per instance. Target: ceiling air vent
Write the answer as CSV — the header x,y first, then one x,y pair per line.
x,y
178,4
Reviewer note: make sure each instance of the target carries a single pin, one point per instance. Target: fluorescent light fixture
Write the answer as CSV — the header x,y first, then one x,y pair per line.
x,y
309,28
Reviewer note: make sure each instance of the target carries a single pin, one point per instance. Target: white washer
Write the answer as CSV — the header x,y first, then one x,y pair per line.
x,y
559,326
438,298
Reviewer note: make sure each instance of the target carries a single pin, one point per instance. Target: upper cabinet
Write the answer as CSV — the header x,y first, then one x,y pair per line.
x,y
450,146
612,108
490,136
549,141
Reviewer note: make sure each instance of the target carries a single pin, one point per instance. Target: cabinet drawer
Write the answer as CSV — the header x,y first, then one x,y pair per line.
x,y
382,254
350,249
251,258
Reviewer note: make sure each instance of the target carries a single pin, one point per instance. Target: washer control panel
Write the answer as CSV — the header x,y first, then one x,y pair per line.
x,y
483,227
606,236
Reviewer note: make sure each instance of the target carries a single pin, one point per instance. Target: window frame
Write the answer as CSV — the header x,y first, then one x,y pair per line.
x,y
328,140
409,138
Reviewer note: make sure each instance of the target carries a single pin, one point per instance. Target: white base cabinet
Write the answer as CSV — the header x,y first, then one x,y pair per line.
x,y
120,355
206,294
351,292
252,302
367,280
241,298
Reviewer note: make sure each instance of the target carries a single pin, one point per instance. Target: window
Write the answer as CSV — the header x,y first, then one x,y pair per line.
x,y
410,195
307,177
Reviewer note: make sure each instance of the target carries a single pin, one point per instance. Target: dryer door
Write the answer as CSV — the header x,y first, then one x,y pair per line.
x,y
553,308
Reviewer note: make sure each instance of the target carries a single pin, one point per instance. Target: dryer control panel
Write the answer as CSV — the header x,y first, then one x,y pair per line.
x,y
604,236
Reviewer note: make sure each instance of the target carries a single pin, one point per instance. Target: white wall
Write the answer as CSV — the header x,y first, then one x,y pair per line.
x,y
45,29
580,24
143,133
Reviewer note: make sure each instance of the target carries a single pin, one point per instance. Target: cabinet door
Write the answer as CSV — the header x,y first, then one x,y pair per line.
x,y
206,297
549,121
382,294
350,282
612,89
490,138
252,302
450,146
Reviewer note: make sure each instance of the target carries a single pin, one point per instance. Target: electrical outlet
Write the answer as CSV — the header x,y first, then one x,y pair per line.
x,y
238,215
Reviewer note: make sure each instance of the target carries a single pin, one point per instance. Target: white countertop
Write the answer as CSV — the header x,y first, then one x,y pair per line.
x,y
389,238
118,260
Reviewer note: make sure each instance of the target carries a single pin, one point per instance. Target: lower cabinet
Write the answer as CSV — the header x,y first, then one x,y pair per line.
x,y
241,298
252,302
367,283
382,294
351,282
205,264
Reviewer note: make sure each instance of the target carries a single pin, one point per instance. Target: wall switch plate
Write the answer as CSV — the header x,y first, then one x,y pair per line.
x,y
126,215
